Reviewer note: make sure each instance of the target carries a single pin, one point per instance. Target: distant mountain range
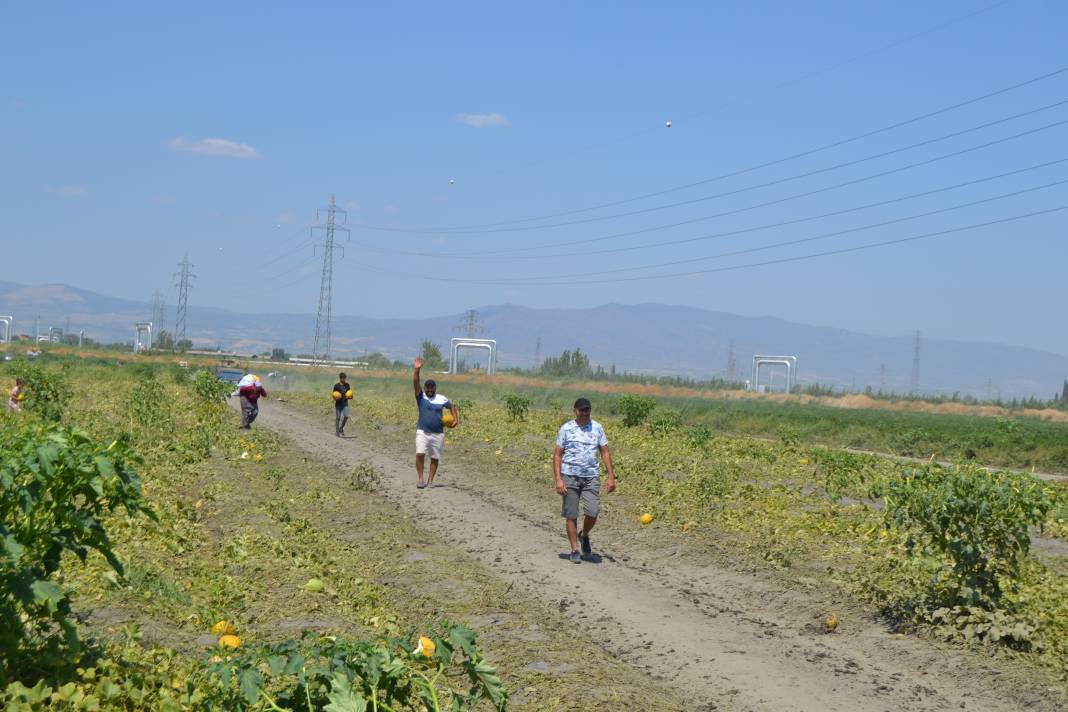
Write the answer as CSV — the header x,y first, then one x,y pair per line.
x,y
651,338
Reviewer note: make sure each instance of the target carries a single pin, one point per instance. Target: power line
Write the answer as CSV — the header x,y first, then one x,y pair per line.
x,y
260,264
273,286
767,90
788,243
499,254
825,147
731,268
806,174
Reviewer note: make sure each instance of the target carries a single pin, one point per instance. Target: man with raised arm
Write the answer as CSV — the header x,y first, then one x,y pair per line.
x,y
430,430
578,475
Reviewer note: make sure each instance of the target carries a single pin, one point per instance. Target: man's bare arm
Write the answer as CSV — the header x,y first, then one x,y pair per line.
x,y
606,456
415,377
558,456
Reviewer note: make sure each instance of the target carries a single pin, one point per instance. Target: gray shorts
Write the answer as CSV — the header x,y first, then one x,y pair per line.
x,y
586,488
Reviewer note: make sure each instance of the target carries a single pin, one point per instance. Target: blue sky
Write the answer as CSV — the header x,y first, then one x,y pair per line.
x,y
130,135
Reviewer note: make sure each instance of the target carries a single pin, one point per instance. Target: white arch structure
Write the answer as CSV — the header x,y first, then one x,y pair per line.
x,y
465,343
55,335
6,322
142,327
790,362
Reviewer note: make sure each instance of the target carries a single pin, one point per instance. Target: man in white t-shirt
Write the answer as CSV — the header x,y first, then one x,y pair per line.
x,y
430,430
578,475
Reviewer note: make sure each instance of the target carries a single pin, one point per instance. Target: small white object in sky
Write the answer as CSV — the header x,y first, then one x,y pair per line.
x,y
451,181
668,124
278,226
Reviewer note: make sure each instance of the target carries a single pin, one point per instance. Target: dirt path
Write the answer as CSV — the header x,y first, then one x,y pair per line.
x,y
731,641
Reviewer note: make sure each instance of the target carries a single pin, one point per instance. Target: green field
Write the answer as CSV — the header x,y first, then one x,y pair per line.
x,y
1013,442
209,527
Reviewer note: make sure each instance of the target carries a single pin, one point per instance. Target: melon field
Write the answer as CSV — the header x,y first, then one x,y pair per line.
x,y
156,556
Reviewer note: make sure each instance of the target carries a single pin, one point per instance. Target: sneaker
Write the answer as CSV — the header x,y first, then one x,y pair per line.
x,y
421,485
575,558
584,542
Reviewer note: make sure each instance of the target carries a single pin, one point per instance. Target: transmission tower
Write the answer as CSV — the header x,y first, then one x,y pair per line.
x,y
469,324
157,314
321,346
537,353
732,363
914,382
182,277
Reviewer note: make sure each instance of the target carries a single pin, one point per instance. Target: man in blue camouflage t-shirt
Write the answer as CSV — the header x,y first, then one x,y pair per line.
x,y
578,475
430,429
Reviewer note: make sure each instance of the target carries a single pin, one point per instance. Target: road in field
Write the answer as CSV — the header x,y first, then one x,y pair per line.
x,y
731,641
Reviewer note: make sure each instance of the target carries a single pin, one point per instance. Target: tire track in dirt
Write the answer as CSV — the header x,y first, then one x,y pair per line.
x,y
730,641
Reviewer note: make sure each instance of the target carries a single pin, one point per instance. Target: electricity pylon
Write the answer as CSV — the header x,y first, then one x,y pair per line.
x,y
182,277
321,346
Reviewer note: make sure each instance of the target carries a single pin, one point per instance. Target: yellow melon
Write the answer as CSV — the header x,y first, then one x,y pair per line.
x,y
425,648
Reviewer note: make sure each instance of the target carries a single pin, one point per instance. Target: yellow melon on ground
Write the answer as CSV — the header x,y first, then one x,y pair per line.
x,y
230,641
647,518
224,628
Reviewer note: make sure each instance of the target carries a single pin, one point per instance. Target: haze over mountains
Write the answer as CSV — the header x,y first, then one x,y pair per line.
x,y
654,338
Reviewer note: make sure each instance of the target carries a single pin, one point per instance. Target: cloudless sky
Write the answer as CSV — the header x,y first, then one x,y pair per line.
x,y
133,134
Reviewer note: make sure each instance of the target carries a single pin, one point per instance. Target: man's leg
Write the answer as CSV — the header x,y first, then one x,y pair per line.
x,y
591,507
246,408
337,421
344,418
572,533
420,458
433,470
569,510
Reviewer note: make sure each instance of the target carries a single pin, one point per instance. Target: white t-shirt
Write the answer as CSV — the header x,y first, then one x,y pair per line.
x,y
581,445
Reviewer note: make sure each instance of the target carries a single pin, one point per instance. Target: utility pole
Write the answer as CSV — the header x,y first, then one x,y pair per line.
x,y
732,364
157,314
537,353
914,382
183,275
36,330
321,346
